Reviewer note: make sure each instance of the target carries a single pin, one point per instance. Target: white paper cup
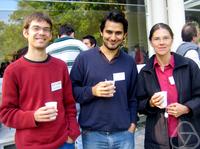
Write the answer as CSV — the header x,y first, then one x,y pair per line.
x,y
164,102
52,104
111,85
111,81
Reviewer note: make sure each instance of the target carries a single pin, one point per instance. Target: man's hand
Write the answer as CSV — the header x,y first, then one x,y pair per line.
x,y
132,128
103,89
69,140
45,114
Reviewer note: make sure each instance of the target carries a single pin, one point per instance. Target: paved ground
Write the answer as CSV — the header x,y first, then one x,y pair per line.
x,y
139,139
6,138
139,134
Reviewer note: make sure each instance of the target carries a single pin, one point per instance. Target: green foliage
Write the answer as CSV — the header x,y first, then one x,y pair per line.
x,y
2,26
84,17
11,40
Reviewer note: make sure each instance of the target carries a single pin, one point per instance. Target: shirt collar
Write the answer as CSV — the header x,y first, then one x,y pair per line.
x,y
171,62
116,55
62,39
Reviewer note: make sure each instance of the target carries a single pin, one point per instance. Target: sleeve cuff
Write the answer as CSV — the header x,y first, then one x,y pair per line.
x,y
74,135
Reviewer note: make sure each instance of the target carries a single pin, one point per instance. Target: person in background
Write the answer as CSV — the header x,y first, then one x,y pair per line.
x,y
104,83
189,48
30,82
175,125
21,52
3,67
89,41
139,55
66,47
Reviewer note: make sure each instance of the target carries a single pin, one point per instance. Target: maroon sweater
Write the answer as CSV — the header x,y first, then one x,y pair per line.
x,y
26,87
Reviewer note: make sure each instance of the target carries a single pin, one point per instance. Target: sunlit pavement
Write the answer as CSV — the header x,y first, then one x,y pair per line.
x,y
139,138
6,137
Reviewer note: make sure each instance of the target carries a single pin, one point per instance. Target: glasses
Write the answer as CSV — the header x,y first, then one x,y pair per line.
x,y
164,39
39,28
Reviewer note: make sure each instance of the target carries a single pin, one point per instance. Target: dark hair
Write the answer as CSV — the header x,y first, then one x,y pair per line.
x,y
115,16
159,26
91,39
20,53
39,16
65,29
3,67
188,32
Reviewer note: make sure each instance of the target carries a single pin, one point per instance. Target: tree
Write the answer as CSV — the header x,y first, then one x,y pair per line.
x,y
11,39
84,17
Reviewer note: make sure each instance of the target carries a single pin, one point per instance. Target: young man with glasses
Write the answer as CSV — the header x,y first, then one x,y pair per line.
x,y
29,83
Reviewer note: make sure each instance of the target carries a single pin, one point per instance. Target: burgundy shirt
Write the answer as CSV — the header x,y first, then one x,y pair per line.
x,y
164,78
26,87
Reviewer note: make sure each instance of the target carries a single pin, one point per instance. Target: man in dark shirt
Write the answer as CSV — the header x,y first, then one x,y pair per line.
x,y
104,83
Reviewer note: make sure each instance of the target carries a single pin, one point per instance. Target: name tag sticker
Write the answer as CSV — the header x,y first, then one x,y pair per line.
x,y
171,80
56,86
119,76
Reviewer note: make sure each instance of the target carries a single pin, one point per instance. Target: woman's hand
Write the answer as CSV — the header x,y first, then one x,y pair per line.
x,y
177,109
156,100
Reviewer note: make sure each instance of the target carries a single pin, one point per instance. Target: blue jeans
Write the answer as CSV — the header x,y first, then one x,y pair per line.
x,y
106,140
78,143
67,146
